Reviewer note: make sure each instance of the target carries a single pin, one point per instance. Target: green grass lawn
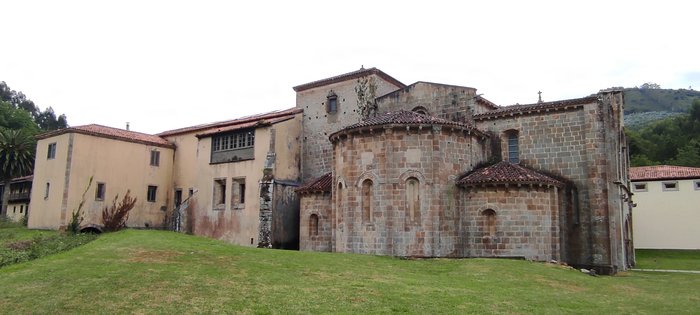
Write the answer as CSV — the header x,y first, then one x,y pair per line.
x,y
668,259
10,234
163,272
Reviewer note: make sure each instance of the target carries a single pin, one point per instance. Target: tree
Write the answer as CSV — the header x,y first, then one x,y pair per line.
x,y
16,159
650,86
45,120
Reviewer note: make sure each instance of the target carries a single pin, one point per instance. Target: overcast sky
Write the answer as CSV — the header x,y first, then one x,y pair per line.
x,y
162,65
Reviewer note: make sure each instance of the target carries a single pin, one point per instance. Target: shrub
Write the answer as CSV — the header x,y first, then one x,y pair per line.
x,y
114,218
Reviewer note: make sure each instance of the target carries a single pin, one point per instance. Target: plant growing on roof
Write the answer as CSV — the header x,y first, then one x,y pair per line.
x,y
366,90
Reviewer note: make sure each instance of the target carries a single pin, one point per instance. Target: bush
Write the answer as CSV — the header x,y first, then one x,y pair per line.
x,y
114,218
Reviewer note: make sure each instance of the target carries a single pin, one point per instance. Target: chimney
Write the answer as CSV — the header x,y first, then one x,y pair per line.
x,y
127,125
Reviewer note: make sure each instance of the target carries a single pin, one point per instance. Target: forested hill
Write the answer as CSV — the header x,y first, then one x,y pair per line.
x,y
639,100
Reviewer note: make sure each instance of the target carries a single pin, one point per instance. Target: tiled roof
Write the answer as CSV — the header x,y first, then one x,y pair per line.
x,y
404,117
482,100
111,133
234,122
349,76
535,108
505,172
319,184
661,172
245,125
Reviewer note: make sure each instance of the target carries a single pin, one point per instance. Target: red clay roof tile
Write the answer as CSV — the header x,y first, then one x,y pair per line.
x,y
404,117
322,183
233,122
505,172
111,133
537,107
660,172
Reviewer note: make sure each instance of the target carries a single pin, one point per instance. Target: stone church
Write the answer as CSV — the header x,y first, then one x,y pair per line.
x,y
437,170
366,164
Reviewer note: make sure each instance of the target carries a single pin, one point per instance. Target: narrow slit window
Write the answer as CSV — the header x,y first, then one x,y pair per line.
x,y
100,191
313,225
367,187
513,148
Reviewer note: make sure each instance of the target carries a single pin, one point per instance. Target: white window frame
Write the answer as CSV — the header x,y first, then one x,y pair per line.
x,y
645,188
664,183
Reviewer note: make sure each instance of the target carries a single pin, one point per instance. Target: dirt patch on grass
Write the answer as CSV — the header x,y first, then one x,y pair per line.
x,y
152,256
20,245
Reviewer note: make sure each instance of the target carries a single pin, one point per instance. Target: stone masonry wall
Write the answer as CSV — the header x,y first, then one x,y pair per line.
x,y
318,124
569,144
388,157
526,222
320,205
449,102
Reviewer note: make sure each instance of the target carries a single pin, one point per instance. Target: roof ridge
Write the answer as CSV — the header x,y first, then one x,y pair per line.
x,y
225,123
348,76
505,172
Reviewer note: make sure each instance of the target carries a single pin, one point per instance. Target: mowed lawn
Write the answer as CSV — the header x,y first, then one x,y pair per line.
x,y
164,272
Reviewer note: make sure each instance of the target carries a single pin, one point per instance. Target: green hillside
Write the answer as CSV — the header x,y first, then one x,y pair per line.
x,y
168,273
638,100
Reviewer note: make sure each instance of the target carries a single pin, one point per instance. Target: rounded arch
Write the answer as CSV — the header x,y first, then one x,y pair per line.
x,y
489,222
367,175
340,183
412,173
313,224
92,229
421,110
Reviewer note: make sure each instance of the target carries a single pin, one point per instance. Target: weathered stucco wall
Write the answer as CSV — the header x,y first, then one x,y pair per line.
x,y
120,165
45,213
241,224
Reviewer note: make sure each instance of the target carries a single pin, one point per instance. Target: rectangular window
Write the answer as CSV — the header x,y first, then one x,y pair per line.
x,y
669,186
219,194
238,193
332,104
100,191
696,184
155,158
51,154
513,154
639,186
151,195
21,208
233,147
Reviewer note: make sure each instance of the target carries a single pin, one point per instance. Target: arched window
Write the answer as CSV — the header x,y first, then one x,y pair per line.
x,y
489,222
339,203
513,146
412,198
313,225
421,110
367,200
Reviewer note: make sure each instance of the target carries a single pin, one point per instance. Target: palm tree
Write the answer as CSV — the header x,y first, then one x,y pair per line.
x,y
16,159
